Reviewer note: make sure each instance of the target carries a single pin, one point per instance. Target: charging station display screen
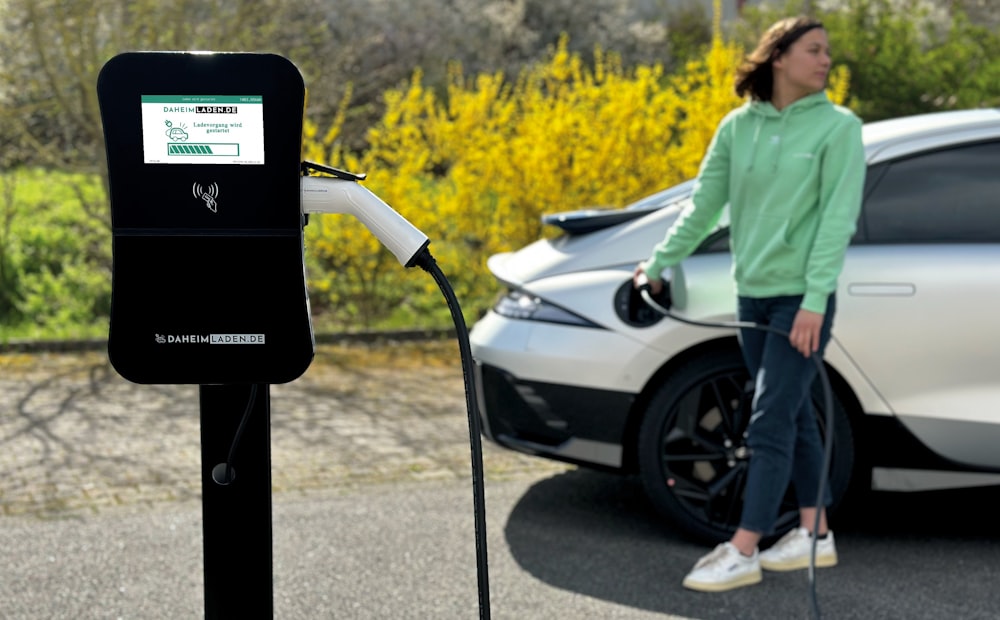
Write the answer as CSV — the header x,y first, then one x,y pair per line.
x,y
203,129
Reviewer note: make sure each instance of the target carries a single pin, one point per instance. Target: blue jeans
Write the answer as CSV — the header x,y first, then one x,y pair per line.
x,y
784,440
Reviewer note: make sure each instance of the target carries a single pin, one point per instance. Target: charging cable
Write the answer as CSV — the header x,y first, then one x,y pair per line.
x,y
340,192
645,290
224,473
426,262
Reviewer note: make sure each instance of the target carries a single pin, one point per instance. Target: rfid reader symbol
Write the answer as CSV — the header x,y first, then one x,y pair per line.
x,y
208,195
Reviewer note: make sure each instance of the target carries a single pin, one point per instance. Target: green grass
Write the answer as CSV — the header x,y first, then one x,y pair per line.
x,y
30,331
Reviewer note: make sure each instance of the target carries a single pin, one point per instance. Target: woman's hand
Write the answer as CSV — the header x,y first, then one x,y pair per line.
x,y
639,279
805,331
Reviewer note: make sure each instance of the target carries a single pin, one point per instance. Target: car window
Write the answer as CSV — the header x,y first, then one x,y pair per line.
x,y
945,196
718,239
663,198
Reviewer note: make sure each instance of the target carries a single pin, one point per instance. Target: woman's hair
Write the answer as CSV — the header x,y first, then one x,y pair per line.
x,y
755,75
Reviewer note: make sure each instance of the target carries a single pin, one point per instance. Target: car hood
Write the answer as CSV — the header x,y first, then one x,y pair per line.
x,y
625,244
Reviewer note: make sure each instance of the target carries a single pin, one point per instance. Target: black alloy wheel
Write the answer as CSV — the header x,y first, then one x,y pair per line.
x,y
692,451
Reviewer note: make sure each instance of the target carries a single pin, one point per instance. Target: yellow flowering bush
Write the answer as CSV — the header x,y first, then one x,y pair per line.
x,y
475,168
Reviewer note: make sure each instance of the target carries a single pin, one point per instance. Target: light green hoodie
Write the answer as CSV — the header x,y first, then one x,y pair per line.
x,y
793,180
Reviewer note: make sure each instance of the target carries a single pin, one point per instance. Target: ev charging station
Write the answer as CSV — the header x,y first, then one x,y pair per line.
x,y
209,198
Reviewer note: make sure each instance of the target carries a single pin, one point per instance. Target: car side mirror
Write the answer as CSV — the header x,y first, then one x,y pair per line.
x,y
677,288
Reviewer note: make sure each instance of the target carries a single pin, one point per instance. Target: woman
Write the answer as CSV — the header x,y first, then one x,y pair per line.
x,y
791,166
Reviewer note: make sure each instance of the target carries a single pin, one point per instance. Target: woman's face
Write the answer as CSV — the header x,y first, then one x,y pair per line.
x,y
804,66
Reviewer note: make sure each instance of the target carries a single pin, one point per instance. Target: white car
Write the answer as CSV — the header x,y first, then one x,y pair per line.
x,y
573,365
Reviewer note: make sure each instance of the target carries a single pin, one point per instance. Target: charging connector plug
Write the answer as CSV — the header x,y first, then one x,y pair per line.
x,y
343,195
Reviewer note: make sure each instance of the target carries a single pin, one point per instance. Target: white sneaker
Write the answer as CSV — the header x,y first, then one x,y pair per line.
x,y
793,550
723,569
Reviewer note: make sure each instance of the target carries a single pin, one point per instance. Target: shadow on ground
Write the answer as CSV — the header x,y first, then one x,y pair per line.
x,y
929,555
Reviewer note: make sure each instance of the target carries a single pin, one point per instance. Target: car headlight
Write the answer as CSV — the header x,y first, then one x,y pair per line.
x,y
520,305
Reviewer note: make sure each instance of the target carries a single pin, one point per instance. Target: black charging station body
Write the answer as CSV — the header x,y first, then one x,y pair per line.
x,y
204,155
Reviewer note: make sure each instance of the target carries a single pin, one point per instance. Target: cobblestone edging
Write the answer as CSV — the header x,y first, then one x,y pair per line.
x,y
77,438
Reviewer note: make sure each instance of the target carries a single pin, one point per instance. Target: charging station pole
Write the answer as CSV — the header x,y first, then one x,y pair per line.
x,y
236,516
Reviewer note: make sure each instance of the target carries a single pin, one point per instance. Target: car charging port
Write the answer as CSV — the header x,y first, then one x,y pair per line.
x,y
633,310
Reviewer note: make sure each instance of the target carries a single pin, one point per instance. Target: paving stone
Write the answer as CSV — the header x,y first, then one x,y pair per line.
x,y
76,438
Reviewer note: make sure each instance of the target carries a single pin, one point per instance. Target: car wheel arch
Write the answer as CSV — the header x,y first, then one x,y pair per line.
x,y
840,386
656,380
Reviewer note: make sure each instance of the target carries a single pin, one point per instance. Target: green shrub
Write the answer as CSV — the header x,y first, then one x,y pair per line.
x,y
56,254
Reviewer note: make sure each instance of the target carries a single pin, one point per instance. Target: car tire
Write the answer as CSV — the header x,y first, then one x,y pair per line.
x,y
691,450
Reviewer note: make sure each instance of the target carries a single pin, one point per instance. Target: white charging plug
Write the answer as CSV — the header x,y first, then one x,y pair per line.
x,y
335,195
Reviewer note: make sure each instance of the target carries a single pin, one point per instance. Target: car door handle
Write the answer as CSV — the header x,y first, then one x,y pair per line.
x,y
881,289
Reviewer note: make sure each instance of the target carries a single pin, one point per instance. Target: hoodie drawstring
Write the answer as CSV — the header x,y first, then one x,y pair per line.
x,y
781,134
756,139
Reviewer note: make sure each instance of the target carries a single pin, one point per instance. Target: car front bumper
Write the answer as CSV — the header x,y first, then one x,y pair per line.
x,y
546,389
